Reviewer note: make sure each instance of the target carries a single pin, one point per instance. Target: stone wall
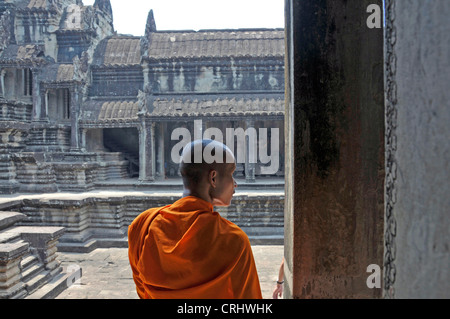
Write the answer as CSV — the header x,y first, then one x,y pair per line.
x,y
42,172
219,75
92,221
116,82
417,241
334,149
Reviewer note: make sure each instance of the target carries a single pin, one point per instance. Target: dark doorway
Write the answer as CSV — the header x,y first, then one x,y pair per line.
x,y
126,142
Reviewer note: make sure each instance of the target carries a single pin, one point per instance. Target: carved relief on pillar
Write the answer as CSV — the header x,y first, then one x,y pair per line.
x,y
5,29
391,147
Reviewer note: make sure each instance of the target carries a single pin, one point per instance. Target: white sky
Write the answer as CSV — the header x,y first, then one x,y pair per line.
x,y
130,16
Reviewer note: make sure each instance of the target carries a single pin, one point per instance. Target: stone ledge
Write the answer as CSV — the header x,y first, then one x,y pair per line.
x,y
78,247
8,219
12,250
38,236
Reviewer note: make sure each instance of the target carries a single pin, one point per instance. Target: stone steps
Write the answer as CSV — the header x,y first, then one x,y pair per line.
x,y
30,267
11,286
36,282
34,275
27,258
125,153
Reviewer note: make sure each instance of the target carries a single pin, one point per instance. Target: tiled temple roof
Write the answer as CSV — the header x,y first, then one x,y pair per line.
x,y
122,50
216,44
96,111
58,73
22,53
104,111
118,51
37,4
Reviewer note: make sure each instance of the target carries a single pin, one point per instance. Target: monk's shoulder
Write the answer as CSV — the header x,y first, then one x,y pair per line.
x,y
234,232
214,219
144,217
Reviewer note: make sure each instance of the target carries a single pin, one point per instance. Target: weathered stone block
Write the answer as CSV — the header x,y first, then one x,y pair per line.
x,y
10,251
7,219
10,273
42,241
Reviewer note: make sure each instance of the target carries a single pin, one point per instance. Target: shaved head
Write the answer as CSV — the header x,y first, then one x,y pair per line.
x,y
200,157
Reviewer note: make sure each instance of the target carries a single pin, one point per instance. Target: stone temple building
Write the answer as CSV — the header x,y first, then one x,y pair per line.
x,y
82,105
84,108
366,154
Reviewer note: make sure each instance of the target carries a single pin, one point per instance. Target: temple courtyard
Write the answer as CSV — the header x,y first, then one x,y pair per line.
x,y
93,240
106,273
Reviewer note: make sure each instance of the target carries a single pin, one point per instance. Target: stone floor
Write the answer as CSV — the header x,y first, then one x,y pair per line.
x,y
106,273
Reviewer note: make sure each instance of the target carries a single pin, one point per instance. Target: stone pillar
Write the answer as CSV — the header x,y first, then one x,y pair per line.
x,y
146,150
417,201
44,105
251,150
37,113
74,111
45,94
2,82
334,135
83,139
160,159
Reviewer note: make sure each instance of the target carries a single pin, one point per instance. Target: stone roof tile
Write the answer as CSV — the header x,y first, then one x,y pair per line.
x,y
24,53
65,73
58,73
37,4
119,51
216,43
101,111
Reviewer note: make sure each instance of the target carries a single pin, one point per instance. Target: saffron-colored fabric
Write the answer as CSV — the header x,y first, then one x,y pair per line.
x,y
188,251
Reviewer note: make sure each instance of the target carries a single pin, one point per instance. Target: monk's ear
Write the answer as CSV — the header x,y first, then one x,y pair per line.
x,y
212,178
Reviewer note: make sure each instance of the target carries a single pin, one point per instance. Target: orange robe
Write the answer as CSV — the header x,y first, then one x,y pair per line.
x,y
188,251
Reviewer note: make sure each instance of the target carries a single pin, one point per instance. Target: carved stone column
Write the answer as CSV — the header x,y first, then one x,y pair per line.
x,y
83,139
37,114
250,150
2,82
146,150
74,112
160,159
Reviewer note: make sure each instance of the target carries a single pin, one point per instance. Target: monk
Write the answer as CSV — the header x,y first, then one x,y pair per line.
x,y
186,250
